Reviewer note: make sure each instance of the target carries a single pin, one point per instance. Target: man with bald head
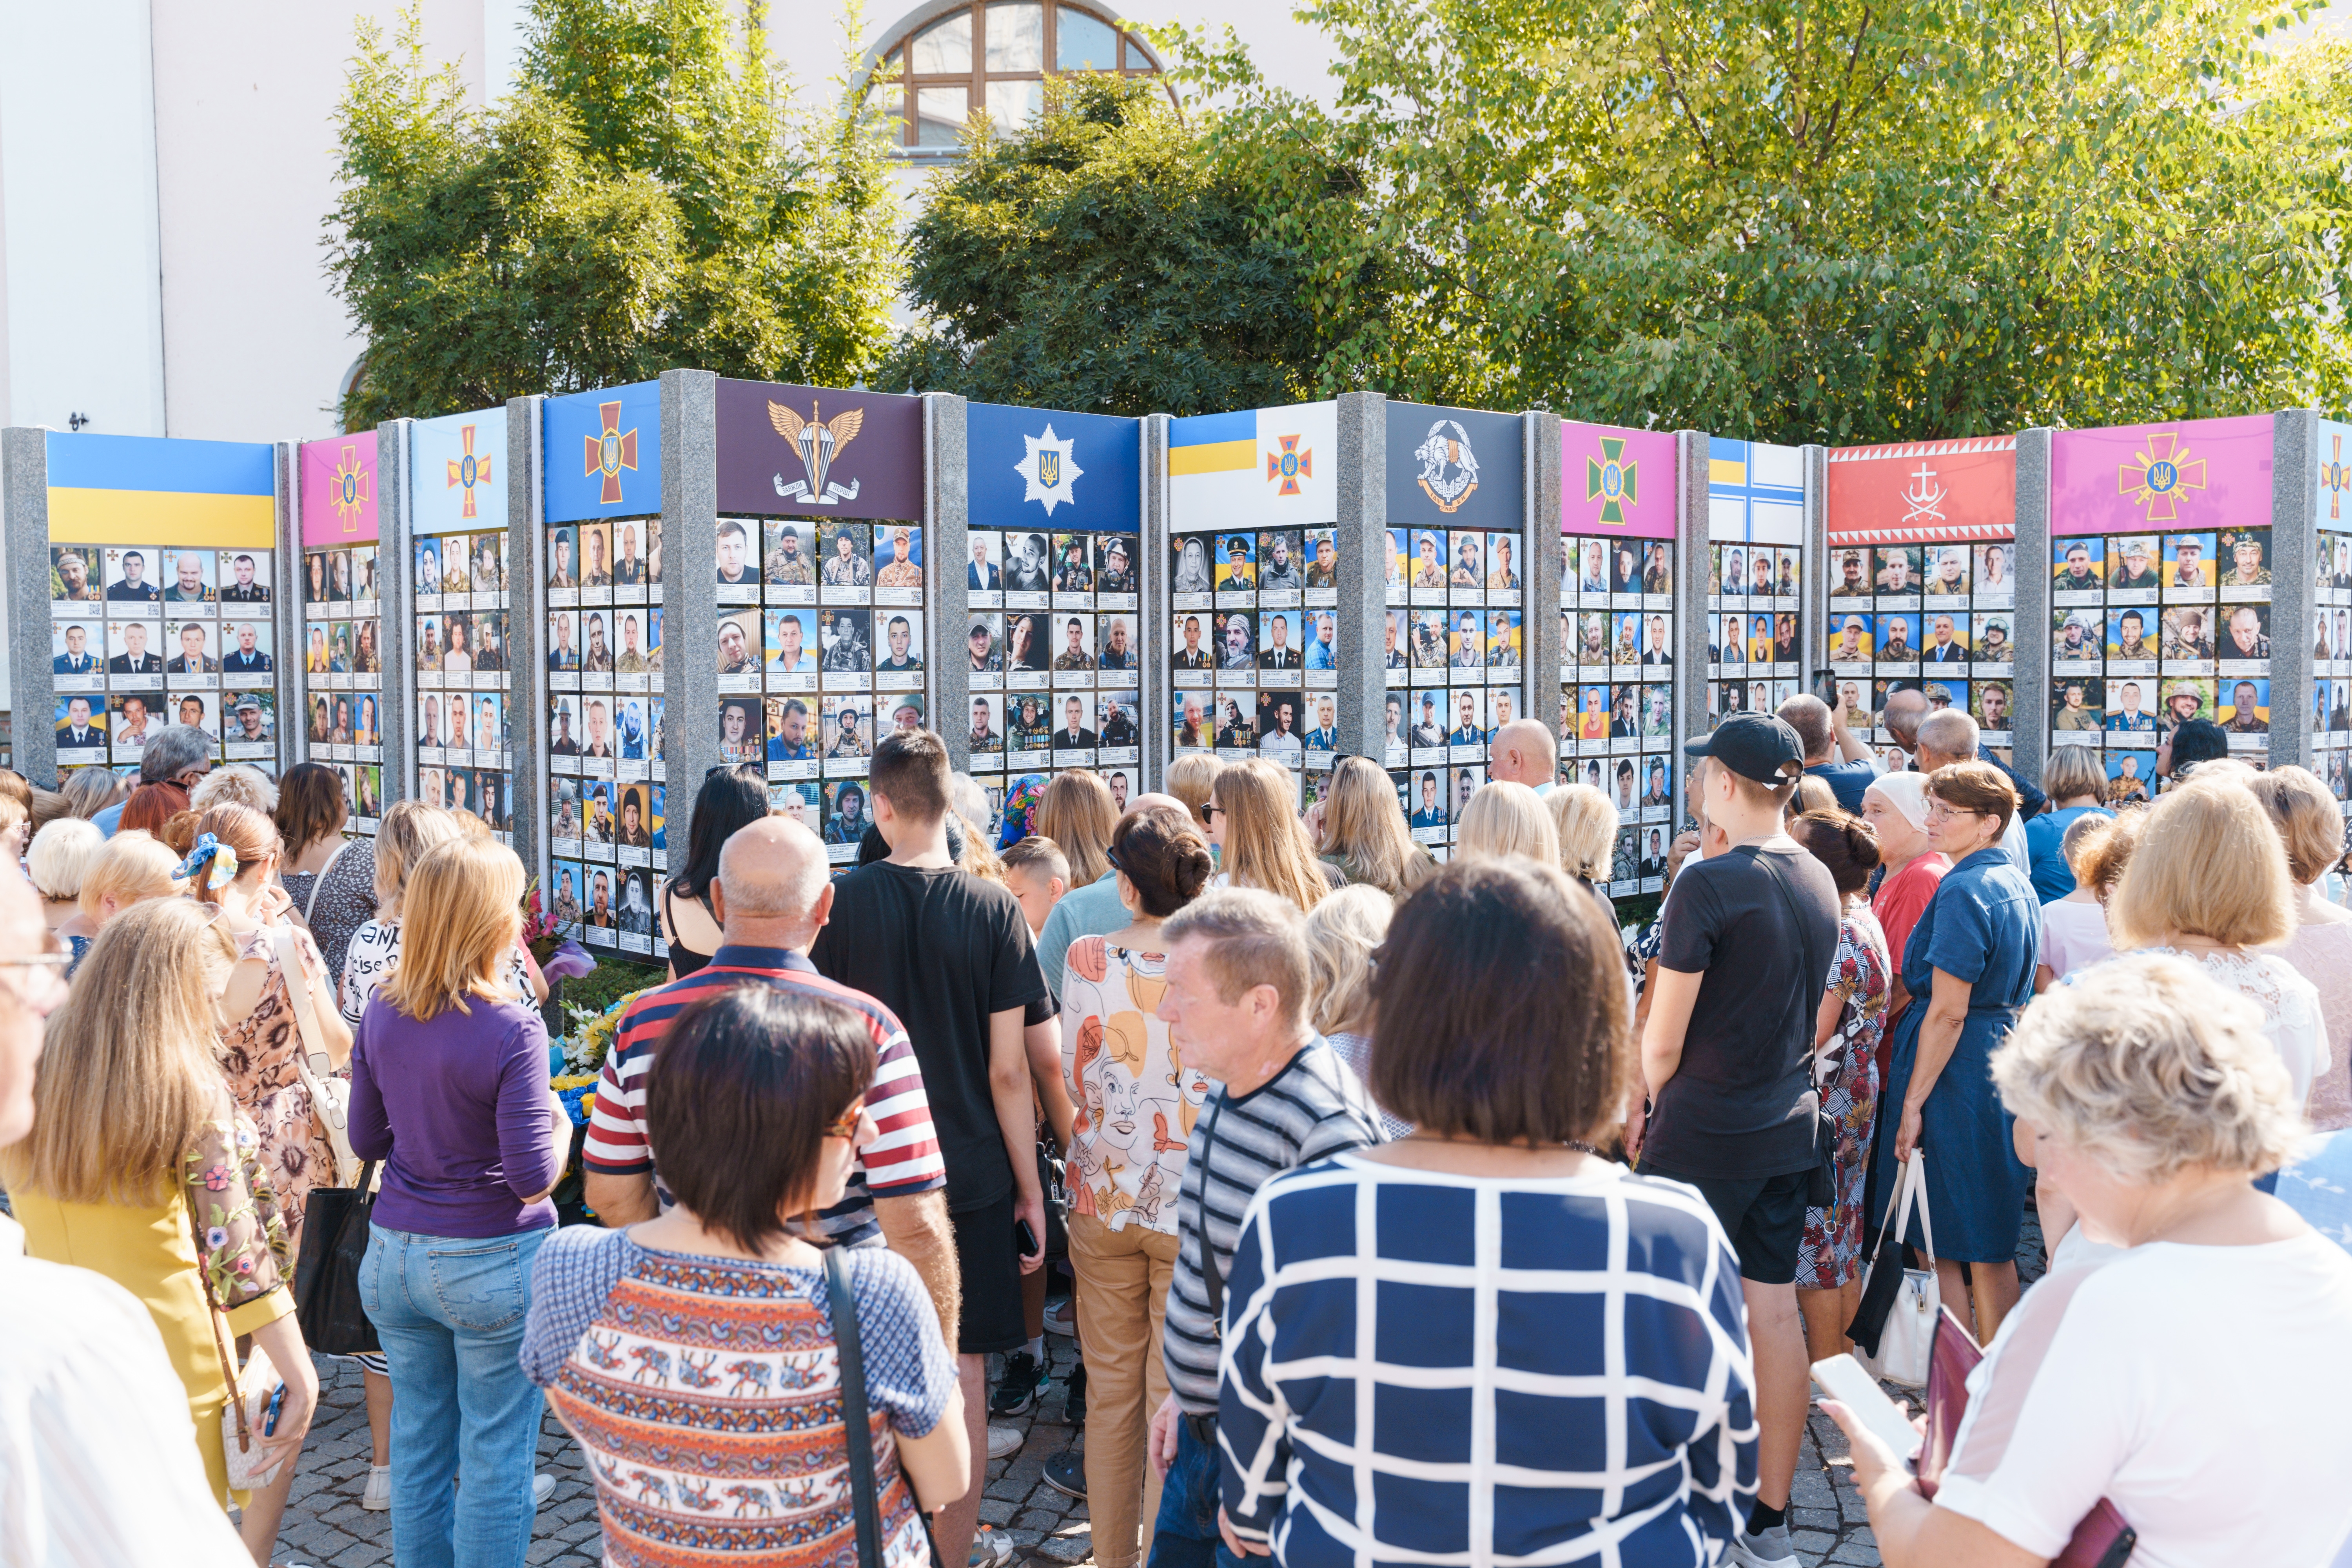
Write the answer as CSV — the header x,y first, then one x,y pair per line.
x,y
1523,752
1831,752
773,895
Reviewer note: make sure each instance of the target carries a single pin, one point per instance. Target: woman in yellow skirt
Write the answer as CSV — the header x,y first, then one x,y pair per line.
x,y
139,1167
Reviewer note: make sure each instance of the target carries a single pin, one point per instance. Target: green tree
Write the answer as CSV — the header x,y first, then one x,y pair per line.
x,y
647,197
1099,261
1799,220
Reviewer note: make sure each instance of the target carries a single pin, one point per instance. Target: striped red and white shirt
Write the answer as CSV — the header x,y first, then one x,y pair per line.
x,y
902,1161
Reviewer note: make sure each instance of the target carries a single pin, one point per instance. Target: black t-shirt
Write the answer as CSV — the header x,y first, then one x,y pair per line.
x,y
1742,1102
943,950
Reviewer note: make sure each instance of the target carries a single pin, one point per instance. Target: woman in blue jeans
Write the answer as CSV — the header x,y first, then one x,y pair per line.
x,y
449,1089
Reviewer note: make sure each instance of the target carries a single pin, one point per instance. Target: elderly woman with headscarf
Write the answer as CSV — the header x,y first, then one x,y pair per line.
x,y
1895,806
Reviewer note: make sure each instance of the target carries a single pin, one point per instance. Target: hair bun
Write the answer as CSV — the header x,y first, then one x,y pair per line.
x,y
1861,843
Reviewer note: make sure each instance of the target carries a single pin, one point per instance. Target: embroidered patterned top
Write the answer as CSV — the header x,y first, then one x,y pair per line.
x,y
1136,1102
704,1393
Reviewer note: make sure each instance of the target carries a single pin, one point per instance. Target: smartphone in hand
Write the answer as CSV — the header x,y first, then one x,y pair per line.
x,y
1024,1239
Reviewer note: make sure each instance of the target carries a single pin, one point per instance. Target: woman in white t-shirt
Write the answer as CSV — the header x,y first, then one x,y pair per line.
x,y
2074,936
2209,881
2196,1380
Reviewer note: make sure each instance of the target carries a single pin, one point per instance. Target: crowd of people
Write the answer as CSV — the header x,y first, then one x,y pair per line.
x,y
1412,1211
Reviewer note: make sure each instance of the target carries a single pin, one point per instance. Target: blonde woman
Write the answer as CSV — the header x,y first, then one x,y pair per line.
x,y
409,831
1193,779
1261,841
2208,883
131,868
233,870
1363,833
1586,824
139,1167
240,783
2145,1094
58,860
1343,932
2311,829
90,790
449,1089
1506,818
1077,813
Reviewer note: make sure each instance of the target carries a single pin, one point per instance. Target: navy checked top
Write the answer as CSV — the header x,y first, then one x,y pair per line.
x,y
1420,1367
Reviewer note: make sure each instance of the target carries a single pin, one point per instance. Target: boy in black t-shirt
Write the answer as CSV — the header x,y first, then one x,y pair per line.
x,y
950,954
1749,935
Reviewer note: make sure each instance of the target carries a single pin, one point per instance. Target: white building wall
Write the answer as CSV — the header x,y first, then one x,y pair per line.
x,y
78,273
255,345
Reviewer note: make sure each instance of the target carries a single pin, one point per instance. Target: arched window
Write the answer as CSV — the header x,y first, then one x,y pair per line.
x,y
992,56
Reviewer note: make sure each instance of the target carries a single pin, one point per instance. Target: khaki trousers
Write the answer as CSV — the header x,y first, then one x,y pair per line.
x,y
1123,1276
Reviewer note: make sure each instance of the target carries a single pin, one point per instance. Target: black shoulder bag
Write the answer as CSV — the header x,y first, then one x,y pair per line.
x,y
327,1274
856,1427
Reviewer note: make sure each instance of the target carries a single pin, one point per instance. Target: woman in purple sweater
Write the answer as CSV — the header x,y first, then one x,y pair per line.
x,y
449,1089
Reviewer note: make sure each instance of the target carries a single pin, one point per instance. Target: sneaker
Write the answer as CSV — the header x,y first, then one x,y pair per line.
x,y
1004,1441
542,1487
989,1549
1065,1472
1017,1391
1062,1317
1767,1549
1074,1395
377,1499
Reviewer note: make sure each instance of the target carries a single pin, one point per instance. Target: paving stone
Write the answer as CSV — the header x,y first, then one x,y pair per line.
x,y
1814,1518
1814,1541
1864,1553
1038,1519
581,1529
994,1512
1068,1548
545,1552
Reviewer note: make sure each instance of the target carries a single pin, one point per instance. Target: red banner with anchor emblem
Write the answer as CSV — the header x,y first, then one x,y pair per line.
x,y
1920,490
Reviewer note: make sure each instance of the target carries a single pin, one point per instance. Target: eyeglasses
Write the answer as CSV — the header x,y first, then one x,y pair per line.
x,y
845,1126
1209,810
1938,812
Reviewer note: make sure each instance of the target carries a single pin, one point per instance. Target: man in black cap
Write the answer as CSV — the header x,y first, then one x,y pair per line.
x,y
1726,1057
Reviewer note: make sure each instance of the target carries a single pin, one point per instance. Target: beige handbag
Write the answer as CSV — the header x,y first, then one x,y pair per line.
x,y
330,1097
249,1393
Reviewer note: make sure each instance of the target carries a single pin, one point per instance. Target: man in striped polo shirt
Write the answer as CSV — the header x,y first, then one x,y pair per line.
x,y
1236,1009
773,895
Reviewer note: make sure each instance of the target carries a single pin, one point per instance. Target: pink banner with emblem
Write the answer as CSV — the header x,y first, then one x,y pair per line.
x,y
2191,475
1616,481
338,490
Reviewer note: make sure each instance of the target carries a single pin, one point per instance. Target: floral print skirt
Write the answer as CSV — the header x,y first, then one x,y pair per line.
x,y
1831,1254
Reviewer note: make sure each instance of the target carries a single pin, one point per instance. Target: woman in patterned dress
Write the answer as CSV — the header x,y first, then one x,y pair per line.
x,y
233,870
1845,1070
693,1355
140,1168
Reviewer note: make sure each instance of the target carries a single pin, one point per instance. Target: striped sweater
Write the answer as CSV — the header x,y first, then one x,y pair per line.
x,y
1313,1107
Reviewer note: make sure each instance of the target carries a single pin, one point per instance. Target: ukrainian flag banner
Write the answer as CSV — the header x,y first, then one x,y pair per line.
x,y
105,490
1266,468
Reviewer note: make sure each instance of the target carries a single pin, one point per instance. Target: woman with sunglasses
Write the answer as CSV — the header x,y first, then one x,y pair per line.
x,y
449,1089
693,1355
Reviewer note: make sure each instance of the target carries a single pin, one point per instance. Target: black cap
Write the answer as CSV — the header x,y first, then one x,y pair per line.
x,y
1758,746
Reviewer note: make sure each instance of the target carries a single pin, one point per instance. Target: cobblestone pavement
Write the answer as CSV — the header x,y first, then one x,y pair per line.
x,y
326,1526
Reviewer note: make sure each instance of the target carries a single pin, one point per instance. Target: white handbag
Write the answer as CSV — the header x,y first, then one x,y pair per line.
x,y
330,1097
1907,1344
